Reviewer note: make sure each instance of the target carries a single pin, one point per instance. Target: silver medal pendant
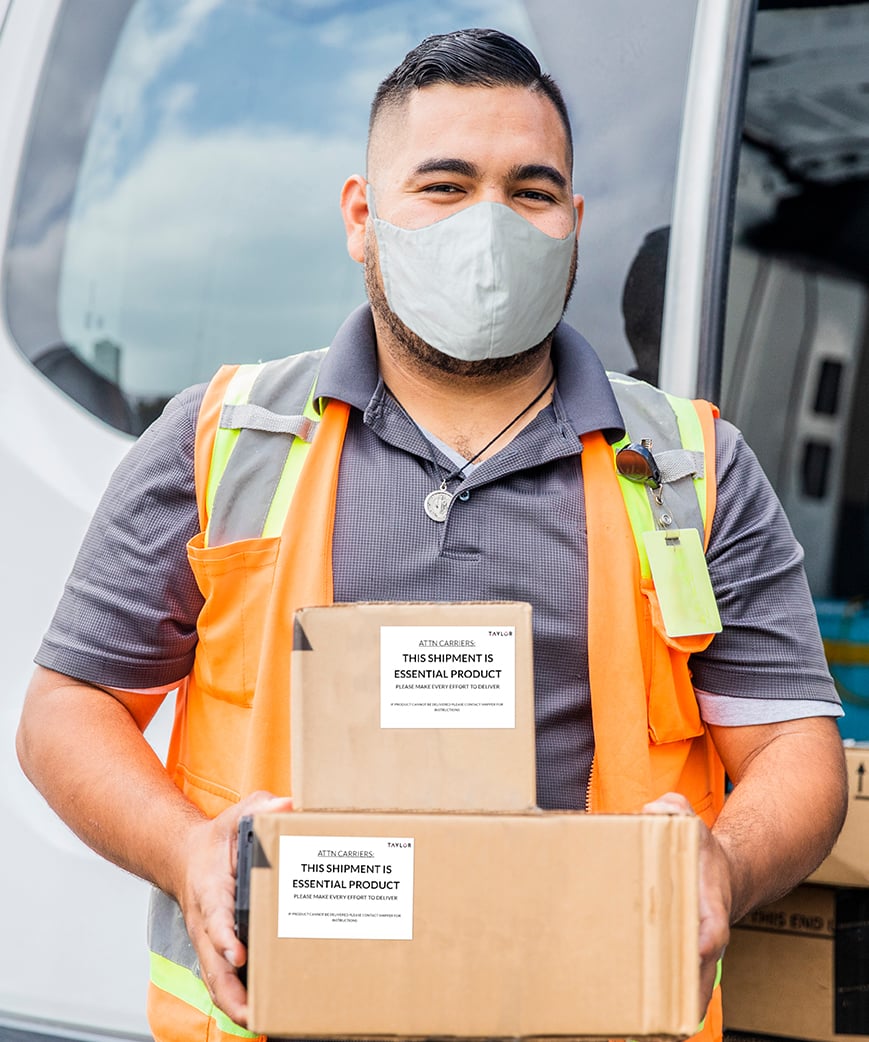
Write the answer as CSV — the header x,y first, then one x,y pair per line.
x,y
437,504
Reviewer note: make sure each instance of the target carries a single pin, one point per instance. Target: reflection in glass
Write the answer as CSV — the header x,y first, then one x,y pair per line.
x,y
179,206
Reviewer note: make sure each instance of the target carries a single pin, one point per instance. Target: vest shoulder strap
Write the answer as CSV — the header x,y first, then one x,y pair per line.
x,y
680,433
269,416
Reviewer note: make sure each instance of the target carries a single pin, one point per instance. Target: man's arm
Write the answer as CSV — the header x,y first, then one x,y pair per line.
x,y
790,794
789,798
83,747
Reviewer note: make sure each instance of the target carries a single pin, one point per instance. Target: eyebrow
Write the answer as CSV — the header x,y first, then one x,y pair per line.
x,y
447,166
522,172
539,172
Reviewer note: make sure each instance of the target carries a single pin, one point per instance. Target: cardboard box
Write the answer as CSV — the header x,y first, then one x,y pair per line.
x,y
413,707
848,862
799,968
478,926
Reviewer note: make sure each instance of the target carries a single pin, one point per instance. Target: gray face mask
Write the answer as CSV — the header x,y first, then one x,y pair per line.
x,y
482,283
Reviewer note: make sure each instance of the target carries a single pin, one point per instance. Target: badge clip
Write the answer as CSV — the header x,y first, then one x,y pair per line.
x,y
636,463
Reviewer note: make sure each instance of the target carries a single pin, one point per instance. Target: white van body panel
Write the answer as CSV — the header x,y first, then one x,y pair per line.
x,y
75,951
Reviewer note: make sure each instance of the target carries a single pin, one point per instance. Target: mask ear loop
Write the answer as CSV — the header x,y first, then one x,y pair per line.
x,y
369,198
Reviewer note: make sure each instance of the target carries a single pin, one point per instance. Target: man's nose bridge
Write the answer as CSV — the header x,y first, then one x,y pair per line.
x,y
494,192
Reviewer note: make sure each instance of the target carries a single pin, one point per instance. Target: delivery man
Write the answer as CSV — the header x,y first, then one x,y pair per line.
x,y
460,443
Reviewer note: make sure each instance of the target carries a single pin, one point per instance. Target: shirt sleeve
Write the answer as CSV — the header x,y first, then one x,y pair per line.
x,y
127,617
768,662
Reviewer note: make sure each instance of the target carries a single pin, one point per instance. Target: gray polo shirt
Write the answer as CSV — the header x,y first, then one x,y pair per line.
x,y
515,531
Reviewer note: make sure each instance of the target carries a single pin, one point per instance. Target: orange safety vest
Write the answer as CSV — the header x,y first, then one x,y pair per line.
x,y
232,725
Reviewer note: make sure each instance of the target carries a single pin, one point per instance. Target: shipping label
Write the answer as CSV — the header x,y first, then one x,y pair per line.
x,y
447,676
348,887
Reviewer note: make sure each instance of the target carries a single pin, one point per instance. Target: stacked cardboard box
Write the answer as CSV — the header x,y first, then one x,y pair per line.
x,y
419,891
848,863
800,967
413,707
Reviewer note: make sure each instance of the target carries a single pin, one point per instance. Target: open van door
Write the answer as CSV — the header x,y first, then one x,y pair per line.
x,y
795,358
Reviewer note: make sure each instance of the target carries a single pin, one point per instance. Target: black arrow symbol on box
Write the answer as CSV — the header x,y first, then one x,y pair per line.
x,y
861,770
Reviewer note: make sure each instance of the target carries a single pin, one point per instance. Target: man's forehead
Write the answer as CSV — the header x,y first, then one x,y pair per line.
x,y
427,114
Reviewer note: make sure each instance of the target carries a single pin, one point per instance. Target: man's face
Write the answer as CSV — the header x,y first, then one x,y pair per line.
x,y
449,148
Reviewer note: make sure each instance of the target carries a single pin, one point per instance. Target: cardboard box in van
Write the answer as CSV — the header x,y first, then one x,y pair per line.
x,y
848,861
799,968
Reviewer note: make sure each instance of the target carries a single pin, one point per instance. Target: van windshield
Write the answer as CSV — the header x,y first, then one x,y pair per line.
x,y
178,204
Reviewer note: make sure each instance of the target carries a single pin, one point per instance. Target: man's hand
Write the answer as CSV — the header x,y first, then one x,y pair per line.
x,y
207,900
715,894
786,807
125,806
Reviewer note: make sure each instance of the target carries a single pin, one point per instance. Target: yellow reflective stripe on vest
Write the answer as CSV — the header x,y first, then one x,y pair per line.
x,y
280,504
237,392
186,986
719,970
639,510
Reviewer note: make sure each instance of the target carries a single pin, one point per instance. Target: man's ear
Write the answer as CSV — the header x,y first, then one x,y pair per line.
x,y
579,206
354,209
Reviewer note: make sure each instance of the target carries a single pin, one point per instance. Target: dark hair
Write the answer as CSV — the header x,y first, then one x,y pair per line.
x,y
469,58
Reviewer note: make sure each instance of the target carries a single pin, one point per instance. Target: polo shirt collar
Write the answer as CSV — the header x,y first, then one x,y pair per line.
x,y
583,387
350,374
349,371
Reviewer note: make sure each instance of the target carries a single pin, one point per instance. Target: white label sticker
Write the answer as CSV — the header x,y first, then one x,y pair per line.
x,y
448,676
345,887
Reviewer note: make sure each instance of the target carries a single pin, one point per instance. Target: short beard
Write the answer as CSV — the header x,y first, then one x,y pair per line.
x,y
425,358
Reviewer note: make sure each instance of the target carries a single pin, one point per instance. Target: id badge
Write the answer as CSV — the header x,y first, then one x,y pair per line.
x,y
682,582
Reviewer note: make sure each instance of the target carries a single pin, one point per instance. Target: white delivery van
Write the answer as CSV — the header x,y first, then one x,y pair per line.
x,y
169,181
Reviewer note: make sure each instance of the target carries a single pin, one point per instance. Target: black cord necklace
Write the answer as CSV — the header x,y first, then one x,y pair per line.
x,y
437,502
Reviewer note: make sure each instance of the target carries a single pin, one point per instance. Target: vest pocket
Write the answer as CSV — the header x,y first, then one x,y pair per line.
x,y
236,581
674,714
681,755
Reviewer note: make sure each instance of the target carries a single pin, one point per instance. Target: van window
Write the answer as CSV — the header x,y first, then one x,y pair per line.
x,y
796,362
178,204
